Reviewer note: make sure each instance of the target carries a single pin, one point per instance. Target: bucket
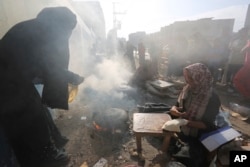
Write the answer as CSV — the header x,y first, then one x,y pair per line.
x,y
73,90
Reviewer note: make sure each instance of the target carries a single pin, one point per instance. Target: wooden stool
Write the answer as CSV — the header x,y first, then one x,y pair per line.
x,y
150,124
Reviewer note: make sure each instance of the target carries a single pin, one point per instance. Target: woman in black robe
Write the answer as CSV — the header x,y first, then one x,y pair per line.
x,y
36,48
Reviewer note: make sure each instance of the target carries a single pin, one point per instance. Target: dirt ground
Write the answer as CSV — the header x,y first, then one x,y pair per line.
x,y
86,147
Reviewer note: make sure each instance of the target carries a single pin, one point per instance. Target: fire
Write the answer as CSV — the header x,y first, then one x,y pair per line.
x,y
98,127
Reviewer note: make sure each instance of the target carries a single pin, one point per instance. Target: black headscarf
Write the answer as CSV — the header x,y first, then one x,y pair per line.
x,y
57,17
40,48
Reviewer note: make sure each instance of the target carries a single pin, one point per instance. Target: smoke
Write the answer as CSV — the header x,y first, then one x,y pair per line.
x,y
107,75
107,87
105,78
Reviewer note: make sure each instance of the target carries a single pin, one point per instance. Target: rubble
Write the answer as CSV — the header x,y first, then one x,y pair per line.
x,y
101,163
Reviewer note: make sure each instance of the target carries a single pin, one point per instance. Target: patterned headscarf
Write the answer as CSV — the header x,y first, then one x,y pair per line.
x,y
197,97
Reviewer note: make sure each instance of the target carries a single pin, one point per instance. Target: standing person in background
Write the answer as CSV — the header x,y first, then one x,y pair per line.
x,y
141,53
155,52
143,74
217,58
36,48
129,54
236,57
177,58
199,49
241,79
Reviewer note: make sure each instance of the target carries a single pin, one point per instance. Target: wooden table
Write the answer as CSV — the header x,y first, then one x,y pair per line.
x,y
150,124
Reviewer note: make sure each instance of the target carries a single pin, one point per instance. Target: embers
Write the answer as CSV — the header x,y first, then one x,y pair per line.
x,y
98,127
111,121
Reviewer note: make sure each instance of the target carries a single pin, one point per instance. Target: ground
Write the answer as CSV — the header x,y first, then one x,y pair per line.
x,y
86,147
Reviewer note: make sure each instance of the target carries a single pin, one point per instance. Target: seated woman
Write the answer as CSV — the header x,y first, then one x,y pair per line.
x,y
196,110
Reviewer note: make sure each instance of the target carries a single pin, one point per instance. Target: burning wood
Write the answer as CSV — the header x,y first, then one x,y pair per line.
x,y
112,120
98,127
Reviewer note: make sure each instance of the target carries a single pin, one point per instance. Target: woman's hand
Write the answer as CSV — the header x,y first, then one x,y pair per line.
x,y
176,111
